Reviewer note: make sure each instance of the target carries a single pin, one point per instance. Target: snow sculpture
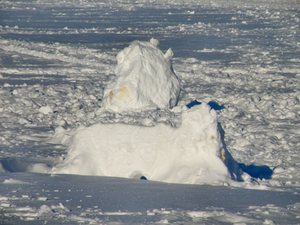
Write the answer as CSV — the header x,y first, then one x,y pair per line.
x,y
145,79
187,154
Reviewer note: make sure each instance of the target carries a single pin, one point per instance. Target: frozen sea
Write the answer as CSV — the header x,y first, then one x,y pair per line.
x,y
56,58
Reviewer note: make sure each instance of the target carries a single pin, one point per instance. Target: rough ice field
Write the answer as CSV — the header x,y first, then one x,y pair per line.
x,y
57,58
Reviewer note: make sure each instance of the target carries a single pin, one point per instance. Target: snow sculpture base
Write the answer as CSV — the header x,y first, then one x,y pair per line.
x,y
145,80
187,154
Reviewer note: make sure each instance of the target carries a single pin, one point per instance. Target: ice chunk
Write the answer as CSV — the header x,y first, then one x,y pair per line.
x,y
187,154
169,54
45,211
145,79
45,109
154,41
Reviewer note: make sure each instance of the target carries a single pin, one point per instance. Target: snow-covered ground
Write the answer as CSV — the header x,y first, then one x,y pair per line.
x,y
56,59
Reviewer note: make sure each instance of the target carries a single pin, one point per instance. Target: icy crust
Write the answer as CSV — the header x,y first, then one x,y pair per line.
x,y
187,154
145,79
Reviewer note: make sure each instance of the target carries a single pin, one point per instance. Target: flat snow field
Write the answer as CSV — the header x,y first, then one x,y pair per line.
x,y
57,57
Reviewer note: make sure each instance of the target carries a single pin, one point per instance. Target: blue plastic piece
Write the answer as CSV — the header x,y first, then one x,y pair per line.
x,y
193,103
216,106
213,104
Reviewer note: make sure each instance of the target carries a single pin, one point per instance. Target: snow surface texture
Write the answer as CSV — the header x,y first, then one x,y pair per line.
x,y
145,79
57,57
187,154
73,199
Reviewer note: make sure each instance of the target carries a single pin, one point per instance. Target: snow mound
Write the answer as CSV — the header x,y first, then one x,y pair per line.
x,y
189,153
145,79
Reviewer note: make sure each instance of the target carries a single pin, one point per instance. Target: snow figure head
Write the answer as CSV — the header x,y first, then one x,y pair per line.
x,y
144,79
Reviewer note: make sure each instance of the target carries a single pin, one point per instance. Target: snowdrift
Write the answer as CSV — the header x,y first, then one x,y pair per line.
x,y
187,154
145,79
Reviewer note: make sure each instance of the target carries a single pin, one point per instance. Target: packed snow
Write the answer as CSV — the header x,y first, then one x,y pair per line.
x,y
145,80
58,64
191,153
187,154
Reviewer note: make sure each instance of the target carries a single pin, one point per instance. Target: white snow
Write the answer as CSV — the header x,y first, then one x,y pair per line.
x,y
145,79
187,154
13,181
45,211
134,202
45,109
244,55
